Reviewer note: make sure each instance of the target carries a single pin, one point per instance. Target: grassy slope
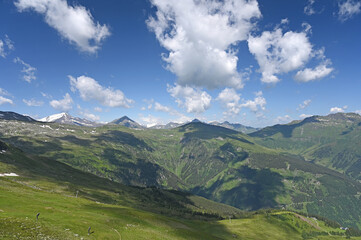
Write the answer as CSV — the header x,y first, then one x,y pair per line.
x,y
213,162
115,211
332,141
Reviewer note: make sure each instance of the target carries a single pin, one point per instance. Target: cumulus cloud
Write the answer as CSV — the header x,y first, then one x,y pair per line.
x,y
338,109
200,35
6,46
230,99
277,53
193,100
29,71
348,8
257,104
63,105
90,89
319,72
304,104
33,103
74,23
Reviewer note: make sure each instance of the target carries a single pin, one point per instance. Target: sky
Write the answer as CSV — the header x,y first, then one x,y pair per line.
x,y
254,62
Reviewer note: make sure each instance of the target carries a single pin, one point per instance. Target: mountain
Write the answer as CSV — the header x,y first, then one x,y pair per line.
x,y
332,141
211,161
65,118
127,122
195,120
47,199
15,116
235,126
167,126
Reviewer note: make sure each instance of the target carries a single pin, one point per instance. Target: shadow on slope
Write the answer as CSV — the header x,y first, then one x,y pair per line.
x,y
256,188
53,176
205,131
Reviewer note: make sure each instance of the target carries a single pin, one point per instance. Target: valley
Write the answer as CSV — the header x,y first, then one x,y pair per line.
x,y
217,163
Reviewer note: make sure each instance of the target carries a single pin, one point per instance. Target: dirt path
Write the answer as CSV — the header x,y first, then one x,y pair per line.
x,y
308,221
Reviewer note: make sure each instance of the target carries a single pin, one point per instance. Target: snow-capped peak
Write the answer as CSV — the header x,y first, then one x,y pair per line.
x,y
53,118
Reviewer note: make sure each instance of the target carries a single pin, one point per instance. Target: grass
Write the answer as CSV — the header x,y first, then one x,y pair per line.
x,y
216,163
67,217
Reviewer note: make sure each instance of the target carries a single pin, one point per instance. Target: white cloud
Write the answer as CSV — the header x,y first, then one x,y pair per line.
x,y
33,103
305,104
45,95
6,46
230,99
278,53
257,104
2,50
63,105
283,119
285,21
193,100
309,9
309,74
9,43
74,23
303,116
29,71
150,121
90,116
200,36
161,108
182,119
4,92
358,112
4,100
348,9
90,89
338,109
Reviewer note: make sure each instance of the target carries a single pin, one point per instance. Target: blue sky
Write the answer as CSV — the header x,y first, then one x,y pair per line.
x,y
255,62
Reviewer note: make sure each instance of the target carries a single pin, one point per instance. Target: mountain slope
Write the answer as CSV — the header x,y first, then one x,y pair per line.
x,y
71,203
15,116
214,162
332,141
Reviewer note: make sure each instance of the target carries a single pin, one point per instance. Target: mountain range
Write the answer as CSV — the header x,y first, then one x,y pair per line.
x,y
65,118
249,172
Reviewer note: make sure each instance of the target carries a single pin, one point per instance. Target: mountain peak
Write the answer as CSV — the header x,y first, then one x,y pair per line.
x,y
66,118
196,120
127,122
126,118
